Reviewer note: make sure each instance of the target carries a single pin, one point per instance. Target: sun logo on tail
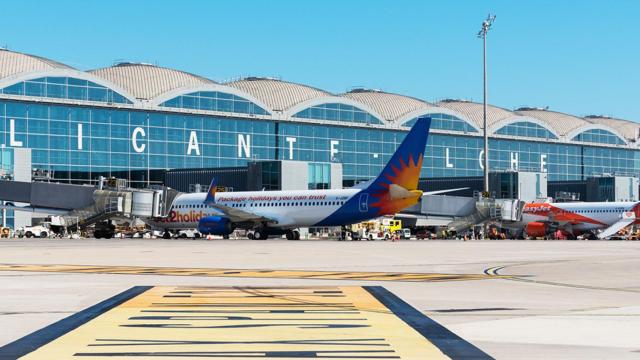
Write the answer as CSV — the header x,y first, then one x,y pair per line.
x,y
399,188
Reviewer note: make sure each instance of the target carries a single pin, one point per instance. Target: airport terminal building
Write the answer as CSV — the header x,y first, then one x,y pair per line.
x,y
136,121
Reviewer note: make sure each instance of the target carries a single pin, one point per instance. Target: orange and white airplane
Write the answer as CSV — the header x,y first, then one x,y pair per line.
x,y
540,219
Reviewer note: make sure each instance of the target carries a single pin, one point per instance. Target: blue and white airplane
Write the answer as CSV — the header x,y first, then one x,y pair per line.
x,y
283,212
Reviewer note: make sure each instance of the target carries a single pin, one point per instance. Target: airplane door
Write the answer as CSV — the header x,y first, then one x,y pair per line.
x,y
364,202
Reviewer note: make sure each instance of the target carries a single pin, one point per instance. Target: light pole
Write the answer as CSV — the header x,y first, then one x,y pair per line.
x,y
486,25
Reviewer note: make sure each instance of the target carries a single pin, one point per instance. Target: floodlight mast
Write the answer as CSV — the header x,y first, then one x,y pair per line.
x,y
486,26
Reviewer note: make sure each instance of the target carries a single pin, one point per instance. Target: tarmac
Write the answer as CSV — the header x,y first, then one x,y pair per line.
x,y
475,299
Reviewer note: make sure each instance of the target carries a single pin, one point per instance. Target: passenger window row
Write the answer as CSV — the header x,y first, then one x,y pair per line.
x,y
267,204
589,211
289,204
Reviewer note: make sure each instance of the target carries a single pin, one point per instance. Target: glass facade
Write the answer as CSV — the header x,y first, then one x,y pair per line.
x,y
271,175
338,112
445,122
526,129
215,101
319,176
65,88
80,143
599,136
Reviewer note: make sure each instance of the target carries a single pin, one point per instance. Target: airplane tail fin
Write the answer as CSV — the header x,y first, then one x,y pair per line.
x,y
404,167
211,193
396,187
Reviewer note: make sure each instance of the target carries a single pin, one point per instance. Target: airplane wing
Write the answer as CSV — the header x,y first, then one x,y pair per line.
x,y
436,192
234,214
627,219
240,216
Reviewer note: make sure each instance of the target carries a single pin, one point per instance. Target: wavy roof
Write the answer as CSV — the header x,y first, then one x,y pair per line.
x,y
147,81
391,106
628,129
154,83
562,123
12,63
474,112
277,94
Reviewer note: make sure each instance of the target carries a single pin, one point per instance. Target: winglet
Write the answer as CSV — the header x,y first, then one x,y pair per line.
x,y
211,194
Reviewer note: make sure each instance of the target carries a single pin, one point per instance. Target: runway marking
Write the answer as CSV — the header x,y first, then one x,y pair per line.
x,y
248,273
495,271
345,322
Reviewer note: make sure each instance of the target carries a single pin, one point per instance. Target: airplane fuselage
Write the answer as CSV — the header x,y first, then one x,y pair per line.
x,y
579,216
290,209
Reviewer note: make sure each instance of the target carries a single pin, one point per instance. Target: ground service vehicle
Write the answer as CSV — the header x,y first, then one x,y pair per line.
x,y
104,229
33,231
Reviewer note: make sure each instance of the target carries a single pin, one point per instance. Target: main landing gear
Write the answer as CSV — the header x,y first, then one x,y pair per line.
x,y
259,234
293,235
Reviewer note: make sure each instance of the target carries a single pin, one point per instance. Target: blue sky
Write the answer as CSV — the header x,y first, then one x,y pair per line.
x,y
580,57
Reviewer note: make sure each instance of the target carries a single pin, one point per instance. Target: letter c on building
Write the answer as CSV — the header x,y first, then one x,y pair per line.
x,y
134,139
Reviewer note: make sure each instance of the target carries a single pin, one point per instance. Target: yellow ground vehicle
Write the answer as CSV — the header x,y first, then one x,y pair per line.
x,y
391,225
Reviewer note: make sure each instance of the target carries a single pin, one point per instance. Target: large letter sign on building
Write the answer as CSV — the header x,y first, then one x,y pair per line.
x,y
193,144
79,136
134,140
12,134
291,140
244,145
447,161
334,149
514,161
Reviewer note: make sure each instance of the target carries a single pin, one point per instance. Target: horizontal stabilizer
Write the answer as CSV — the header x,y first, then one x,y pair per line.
x,y
397,192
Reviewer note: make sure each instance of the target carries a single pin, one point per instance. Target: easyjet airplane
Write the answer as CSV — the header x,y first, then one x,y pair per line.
x,y
542,218
282,212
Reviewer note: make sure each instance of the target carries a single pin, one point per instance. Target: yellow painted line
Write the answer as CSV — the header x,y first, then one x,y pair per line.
x,y
345,322
248,273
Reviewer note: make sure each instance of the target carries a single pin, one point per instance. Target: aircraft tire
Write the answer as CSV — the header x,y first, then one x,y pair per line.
x,y
260,234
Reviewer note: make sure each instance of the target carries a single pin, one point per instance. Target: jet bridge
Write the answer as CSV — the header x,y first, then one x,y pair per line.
x,y
489,210
460,213
82,205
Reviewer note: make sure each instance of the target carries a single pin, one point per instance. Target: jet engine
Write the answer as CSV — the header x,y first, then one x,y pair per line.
x,y
536,229
215,225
